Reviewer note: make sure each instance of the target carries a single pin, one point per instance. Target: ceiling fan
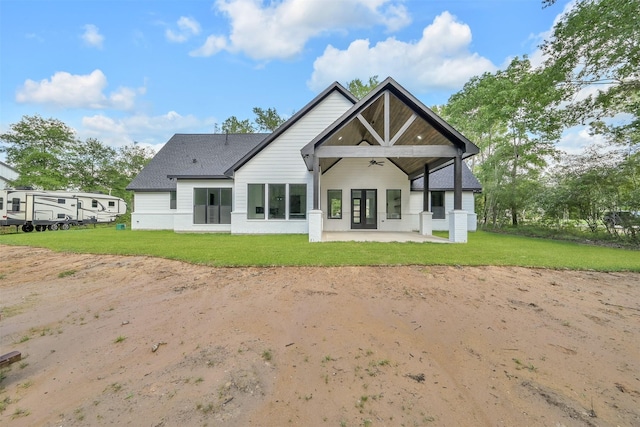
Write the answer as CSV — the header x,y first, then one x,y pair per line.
x,y
374,162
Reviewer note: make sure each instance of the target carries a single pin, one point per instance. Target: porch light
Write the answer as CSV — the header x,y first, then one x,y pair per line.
x,y
419,137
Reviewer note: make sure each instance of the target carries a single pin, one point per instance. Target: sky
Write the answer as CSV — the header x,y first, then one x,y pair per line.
x,y
126,71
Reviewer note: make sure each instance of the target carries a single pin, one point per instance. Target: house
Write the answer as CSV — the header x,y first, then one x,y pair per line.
x,y
338,164
7,175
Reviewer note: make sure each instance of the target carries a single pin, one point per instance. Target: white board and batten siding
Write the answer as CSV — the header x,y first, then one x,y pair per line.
x,y
356,174
183,214
282,163
152,211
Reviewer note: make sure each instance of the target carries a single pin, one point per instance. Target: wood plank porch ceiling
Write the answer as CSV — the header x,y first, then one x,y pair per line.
x,y
388,128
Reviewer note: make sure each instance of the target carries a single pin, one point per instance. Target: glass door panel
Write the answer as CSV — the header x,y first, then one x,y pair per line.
x,y
364,209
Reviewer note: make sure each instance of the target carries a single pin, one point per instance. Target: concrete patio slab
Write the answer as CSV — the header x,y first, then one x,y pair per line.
x,y
379,236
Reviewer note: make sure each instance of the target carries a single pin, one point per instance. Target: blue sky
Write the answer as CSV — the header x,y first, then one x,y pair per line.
x,y
142,70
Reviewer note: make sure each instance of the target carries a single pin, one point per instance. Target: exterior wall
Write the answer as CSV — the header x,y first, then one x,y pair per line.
x,y
468,205
6,174
354,173
183,217
152,211
281,163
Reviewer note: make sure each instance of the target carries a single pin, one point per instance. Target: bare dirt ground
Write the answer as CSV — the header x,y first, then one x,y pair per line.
x,y
349,346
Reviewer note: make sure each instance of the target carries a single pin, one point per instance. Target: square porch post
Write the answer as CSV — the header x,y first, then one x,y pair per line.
x,y
457,217
426,225
315,215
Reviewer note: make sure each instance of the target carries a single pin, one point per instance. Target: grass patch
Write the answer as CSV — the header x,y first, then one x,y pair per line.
x,y
66,273
120,339
482,248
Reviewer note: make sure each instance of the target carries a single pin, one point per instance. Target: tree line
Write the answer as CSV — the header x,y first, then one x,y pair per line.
x,y
48,156
590,77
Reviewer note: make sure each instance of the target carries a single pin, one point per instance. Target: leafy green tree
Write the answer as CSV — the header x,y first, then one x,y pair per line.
x,y
582,187
233,125
360,89
267,120
597,43
90,164
512,115
36,147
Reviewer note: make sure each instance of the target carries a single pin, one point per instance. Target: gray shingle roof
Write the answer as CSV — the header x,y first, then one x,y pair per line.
x,y
194,156
442,180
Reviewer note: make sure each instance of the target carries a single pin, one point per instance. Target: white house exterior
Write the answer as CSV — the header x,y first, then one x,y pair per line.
x,y
339,164
7,175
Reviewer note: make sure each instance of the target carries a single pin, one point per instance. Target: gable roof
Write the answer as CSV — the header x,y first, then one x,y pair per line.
x,y
335,87
395,124
194,156
442,180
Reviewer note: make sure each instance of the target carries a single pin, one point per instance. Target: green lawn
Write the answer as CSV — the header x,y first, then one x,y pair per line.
x,y
267,250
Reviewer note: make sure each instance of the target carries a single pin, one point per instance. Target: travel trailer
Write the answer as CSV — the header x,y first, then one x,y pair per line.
x,y
53,210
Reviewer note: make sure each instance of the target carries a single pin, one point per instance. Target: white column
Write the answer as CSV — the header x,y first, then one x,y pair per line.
x,y
315,225
426,226
458,226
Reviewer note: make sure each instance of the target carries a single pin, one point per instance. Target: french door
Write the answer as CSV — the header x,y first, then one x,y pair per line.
x,y
364,209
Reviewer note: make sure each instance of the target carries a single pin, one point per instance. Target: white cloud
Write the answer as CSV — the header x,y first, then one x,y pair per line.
x,y
574,140
440,60
150,131
212,46
92,36
67,90
187,27
282,29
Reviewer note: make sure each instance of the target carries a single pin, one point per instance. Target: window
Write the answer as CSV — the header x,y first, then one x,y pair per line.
x,y
297,201
112,204
94,203
334,204
437,204
15,204
61,201
172,199
1,203
277,201
285,201
61,216
212,206
255,203
394,204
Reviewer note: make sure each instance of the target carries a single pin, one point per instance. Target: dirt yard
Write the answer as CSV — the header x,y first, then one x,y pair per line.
x,y
109,340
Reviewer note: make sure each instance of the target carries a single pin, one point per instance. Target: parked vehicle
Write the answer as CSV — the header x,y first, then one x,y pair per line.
x,y
622,219
53,210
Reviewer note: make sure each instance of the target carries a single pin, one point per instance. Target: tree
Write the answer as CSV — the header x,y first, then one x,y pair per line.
x,y
233,125
512,115
597,43
37,147
90,164
267,120
359,89
582,187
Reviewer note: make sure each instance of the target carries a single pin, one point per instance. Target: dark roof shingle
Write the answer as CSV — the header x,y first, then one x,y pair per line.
x,y
194,156
442,180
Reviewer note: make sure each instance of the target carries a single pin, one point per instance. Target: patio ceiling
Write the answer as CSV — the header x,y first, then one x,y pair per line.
x,y
389,124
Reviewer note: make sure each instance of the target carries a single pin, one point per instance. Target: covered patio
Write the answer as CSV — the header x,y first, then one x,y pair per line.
x,y
390,124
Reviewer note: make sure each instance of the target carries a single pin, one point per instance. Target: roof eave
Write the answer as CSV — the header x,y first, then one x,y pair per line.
x,y
292,120
198,176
